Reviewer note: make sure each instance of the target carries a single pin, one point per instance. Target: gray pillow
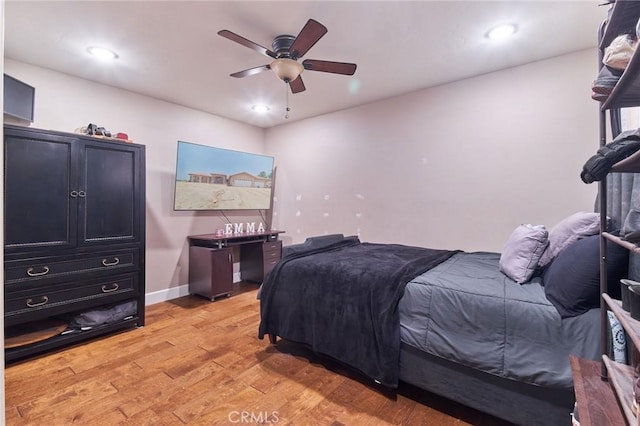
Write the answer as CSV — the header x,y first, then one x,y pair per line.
x,y
522,251
568,231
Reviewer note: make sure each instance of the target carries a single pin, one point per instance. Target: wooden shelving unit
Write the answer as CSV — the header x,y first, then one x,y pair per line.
x,y
629,165
604,390
623,21
631,325
626,244
603,409
621,378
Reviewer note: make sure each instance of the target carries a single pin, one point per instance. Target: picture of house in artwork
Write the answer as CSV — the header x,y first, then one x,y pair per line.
x,y
248,180
208,178
242,179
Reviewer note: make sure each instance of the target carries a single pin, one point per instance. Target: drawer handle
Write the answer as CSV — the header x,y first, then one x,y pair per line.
x,y
114,287
114,263
30,303
45,271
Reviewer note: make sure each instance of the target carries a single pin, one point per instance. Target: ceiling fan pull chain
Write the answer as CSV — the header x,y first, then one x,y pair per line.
x,y
287,109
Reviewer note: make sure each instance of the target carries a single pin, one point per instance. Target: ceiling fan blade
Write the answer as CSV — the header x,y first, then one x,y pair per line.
x,y
297,85
251,71
246,43
309,35
329,66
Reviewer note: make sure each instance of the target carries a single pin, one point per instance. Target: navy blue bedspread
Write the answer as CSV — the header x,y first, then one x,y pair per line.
x,y
342,301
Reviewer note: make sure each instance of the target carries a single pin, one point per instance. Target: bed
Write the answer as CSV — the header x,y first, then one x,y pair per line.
x,y
447,321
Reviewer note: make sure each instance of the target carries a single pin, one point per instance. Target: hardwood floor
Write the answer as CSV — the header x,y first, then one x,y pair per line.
x,y
200,363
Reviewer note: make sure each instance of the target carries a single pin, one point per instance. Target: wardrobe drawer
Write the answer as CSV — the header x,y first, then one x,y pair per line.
x,y
53,298
36,269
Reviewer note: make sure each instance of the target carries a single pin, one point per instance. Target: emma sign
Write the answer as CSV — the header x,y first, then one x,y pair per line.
x,y
239,228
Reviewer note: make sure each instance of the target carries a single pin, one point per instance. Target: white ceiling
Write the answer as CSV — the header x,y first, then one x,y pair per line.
x,y
170,50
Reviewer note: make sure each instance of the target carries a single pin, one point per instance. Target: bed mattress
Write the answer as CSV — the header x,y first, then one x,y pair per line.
x,y
465,310
342,301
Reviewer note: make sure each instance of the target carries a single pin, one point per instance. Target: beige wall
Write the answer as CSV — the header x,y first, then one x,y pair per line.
x,y
65,103
457,166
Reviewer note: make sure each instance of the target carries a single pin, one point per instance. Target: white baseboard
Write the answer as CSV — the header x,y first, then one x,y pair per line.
x,y
168,294
175,292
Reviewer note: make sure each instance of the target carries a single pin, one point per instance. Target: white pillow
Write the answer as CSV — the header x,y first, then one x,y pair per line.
x,y
522,251
568,231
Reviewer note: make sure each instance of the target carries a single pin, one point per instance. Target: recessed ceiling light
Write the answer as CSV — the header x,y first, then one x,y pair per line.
x,y
501,31
102,53
261,109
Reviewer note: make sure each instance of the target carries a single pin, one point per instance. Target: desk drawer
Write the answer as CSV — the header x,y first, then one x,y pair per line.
x,y
271,250
269,264
272,246
56,298
33,270
271,255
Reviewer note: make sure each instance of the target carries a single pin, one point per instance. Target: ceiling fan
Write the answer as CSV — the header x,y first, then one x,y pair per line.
x,y
287,49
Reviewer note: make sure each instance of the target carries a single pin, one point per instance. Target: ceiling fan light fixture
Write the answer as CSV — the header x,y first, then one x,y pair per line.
x,y
286,69
287,50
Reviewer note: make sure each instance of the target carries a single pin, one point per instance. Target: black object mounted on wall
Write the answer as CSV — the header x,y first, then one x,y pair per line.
x,y
19,99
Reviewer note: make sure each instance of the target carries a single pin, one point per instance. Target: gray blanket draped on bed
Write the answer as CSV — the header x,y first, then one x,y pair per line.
x,y
327,310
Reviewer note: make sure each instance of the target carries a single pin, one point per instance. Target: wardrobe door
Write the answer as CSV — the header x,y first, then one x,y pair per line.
x,y
110,179
40,194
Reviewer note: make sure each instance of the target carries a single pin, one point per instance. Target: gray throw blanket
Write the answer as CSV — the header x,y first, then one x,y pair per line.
x,y
342,301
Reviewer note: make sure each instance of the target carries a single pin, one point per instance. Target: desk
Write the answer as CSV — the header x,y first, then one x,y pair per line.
x,y
211,260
